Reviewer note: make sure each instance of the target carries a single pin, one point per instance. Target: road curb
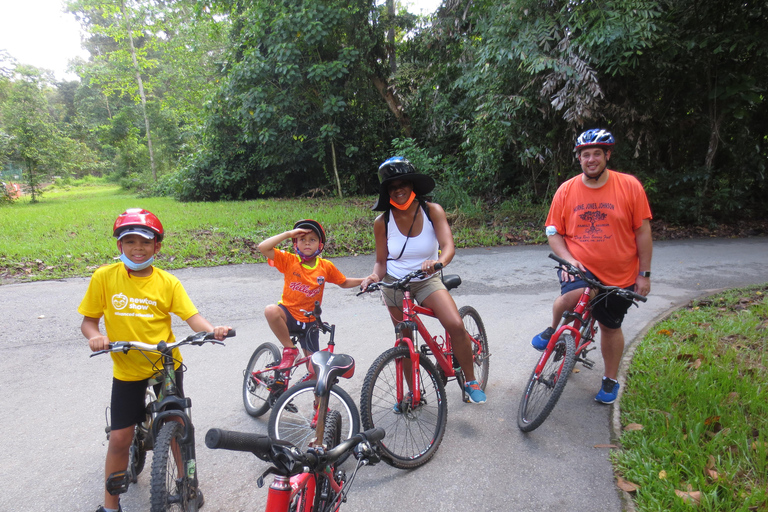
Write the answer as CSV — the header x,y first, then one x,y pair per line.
x,y
628,503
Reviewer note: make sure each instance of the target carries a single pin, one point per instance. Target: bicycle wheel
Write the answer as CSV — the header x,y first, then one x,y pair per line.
x,y
332,434
256,393
474,326
169,490
545,387
137,455
413,433
293,415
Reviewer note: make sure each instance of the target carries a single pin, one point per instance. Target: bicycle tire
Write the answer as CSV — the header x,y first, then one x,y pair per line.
x,y
256,397
137,456
169,491
544,389
292,415
414,436
480,354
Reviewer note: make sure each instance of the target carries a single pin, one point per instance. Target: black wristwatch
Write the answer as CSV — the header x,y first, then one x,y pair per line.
x,y
645,274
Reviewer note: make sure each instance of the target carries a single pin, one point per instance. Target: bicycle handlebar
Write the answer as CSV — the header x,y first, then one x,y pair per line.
x,y
198,338
400,283
575,271
316,312
285,455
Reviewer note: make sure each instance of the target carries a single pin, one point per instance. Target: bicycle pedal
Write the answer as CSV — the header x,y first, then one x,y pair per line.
x,y
588,363
291,408
118,482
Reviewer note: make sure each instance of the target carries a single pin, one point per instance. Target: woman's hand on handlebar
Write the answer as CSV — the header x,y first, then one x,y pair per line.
x,y
373,278
431,266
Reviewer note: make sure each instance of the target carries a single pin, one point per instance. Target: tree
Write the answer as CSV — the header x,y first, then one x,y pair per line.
x,y
33,138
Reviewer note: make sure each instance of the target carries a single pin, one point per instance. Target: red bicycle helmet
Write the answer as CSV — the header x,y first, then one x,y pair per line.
x,y
140,222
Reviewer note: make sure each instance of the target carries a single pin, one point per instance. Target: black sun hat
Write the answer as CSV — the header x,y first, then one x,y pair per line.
x,y
398,168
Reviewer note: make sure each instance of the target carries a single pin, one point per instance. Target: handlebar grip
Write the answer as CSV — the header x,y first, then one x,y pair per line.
x,y
375,435
231,333
217,438
559,259
438,266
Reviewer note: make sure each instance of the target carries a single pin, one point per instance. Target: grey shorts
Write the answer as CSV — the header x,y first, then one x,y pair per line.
x,y
420,290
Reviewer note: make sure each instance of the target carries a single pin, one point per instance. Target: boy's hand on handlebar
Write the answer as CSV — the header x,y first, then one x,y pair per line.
x,y
98,343
220,332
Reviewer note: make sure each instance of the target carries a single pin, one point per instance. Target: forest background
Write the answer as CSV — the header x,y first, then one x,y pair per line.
x,y
237,100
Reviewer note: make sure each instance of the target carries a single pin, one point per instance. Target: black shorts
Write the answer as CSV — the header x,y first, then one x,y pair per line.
x,y
608,309
310,342
128,406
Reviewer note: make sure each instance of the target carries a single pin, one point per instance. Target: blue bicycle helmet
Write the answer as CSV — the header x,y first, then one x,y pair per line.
x,y
595,137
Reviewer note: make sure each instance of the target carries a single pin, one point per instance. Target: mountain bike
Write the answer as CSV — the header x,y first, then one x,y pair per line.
x,y
167,430
569,345
409,400
308,480
294,416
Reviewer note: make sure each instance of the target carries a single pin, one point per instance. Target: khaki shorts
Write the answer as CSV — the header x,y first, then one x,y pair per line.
x,y
420,290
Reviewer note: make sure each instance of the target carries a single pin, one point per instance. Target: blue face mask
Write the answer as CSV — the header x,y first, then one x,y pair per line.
x,y
136,266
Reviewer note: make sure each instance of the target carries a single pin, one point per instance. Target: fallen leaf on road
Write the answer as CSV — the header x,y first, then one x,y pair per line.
x,y
689,497
633,426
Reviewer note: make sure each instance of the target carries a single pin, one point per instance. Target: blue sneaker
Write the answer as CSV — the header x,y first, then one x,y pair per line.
x,y
473,391
608,391
541,340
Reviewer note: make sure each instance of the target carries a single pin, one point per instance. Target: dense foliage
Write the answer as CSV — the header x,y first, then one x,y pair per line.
x,y
242,99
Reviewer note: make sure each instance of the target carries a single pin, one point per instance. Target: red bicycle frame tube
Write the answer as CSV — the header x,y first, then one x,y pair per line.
x,y
410,314
283,490
575,328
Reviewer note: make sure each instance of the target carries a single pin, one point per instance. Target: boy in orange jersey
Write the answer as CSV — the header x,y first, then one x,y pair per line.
x,y
305,276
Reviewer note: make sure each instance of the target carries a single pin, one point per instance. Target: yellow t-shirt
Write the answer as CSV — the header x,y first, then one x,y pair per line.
x,y
136,309
303,284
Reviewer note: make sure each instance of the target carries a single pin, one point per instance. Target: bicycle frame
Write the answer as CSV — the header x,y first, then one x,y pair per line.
x,y
283,490
580,324
411,312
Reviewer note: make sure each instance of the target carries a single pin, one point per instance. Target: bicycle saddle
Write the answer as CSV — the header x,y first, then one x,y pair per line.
x,y
451,281
329,366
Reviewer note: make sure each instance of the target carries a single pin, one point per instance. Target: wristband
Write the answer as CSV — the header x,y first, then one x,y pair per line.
x,y
645,274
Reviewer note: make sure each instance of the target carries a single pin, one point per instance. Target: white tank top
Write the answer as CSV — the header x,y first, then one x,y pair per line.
x,y
418,248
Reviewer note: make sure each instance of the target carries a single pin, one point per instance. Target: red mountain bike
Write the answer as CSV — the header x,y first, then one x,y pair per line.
x,y
409,400
568,345
308,480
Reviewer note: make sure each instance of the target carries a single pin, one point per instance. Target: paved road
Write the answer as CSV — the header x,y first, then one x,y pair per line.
x,y
53,395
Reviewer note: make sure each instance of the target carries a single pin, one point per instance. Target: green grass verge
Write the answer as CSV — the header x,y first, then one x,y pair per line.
x,y
698,387
68,233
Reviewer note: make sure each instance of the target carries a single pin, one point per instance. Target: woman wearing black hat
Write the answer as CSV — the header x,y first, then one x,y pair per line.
x,y
408,235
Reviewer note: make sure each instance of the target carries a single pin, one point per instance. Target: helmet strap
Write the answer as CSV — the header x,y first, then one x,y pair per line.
x,y
596,178
304,258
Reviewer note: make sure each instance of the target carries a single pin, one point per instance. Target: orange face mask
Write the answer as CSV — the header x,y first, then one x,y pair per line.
x,y
407,203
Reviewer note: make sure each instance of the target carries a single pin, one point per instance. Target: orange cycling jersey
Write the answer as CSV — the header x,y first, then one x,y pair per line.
x,y
303,284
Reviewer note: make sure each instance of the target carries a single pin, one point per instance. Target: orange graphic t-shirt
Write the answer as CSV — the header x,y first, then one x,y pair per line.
x,y
598,225
304,285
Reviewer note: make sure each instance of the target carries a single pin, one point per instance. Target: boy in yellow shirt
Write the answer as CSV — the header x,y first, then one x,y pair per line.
x,y
136,301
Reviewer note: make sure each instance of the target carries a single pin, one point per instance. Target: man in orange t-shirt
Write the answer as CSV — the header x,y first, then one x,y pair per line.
x,y
305,276
600,222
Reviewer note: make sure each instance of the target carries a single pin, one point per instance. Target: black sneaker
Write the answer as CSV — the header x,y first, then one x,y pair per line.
x,y
102,509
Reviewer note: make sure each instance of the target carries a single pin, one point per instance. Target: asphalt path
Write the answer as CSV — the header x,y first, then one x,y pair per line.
x,y
54,396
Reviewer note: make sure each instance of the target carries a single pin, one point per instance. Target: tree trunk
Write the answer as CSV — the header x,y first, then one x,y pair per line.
x,y
391,37
335,169
393,102
141,92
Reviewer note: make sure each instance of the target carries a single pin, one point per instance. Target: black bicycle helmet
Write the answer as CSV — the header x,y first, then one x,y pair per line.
x,y
314,226
399,168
